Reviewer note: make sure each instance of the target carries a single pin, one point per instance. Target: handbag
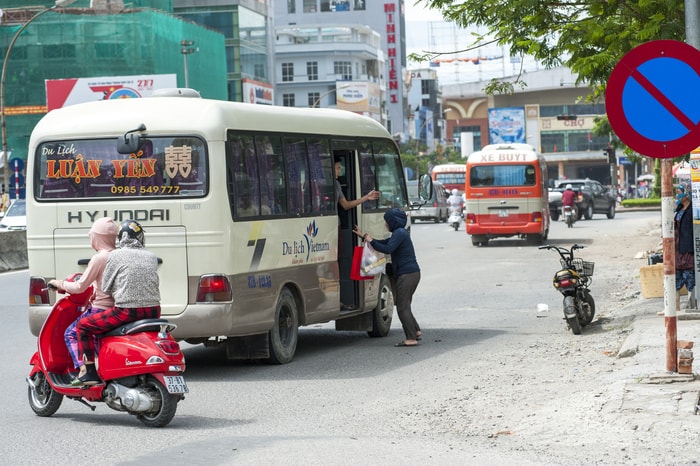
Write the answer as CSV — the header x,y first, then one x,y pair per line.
x,y
371,262
357,264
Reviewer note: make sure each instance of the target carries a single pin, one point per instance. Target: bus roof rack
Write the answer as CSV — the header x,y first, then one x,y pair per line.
x,y
176,92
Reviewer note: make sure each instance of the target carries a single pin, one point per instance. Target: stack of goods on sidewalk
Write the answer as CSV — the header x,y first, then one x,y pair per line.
x,y
685,357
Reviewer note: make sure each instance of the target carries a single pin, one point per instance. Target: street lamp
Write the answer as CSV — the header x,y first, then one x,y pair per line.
x,y
186,50
5,167
336,89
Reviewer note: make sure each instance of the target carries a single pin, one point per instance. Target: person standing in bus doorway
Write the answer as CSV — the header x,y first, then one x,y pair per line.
x,y
404,273
684,245
103,237
131,276
345,203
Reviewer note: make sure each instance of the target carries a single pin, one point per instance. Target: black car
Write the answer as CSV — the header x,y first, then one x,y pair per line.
x,y
593,198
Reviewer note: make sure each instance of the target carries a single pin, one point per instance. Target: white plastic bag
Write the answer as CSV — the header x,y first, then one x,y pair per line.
x,y
373,262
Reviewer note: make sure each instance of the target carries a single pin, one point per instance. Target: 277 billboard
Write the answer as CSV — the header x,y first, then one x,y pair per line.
x,y
71,91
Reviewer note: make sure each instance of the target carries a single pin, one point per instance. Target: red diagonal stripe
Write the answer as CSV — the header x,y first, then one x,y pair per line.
x,y
663,100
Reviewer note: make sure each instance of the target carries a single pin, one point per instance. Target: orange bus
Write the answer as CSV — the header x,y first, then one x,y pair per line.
x,y
506,194
451,175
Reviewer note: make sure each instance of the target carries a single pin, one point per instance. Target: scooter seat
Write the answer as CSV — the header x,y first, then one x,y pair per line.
x,y
143,325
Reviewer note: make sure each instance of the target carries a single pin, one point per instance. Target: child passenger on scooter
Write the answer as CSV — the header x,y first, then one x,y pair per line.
x,y
131,276
103,238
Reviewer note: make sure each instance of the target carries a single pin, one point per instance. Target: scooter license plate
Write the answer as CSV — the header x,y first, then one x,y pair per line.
x,y
175,384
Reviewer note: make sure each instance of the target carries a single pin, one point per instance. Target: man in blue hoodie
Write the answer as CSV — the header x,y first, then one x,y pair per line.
x,y
405,273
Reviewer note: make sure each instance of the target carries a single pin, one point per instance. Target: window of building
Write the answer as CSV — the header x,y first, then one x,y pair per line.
x,y
549,111
310,6
359,4
287,72
571,141
291,6
343,69
314,99
312,70
427,86
259,69
288,100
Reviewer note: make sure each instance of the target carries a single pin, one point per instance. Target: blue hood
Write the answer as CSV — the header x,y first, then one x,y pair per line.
x,y
395,218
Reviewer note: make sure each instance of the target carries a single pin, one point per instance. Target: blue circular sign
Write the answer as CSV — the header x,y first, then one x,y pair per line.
x,y
653,99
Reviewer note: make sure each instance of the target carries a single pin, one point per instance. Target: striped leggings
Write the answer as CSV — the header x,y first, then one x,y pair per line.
x,y
102,322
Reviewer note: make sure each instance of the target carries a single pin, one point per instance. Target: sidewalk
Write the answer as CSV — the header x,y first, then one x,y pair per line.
x,y
648,386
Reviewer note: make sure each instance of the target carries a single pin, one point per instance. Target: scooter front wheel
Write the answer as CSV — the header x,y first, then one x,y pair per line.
x,y
165,405
43,399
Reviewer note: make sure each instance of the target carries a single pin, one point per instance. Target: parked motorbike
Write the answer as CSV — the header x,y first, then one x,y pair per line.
x,y
455,218
573,281
140,364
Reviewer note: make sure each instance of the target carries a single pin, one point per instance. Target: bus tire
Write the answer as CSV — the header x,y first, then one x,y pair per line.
x,y
383,313
283,336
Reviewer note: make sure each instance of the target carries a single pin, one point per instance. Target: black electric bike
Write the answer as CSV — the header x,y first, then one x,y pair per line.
x,y
573,281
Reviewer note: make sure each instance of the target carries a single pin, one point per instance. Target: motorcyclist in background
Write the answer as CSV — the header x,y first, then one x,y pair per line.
x,y
568,198
455,201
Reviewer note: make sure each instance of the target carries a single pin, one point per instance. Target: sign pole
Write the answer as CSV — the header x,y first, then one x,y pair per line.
x,y
692,37
669,251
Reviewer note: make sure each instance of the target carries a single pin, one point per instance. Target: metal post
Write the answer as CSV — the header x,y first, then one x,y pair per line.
x,y
186,50
692,37
669,250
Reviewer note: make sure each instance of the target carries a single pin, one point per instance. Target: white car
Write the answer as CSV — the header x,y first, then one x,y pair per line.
x,y
16,217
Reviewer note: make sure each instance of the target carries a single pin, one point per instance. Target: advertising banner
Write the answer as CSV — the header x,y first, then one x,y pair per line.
x,y
507,125
354,96
71,91
256,92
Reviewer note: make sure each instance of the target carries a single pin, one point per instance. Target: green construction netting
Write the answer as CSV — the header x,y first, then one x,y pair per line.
x,y
77,43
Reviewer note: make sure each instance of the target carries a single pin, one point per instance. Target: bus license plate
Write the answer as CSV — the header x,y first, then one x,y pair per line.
x,y
175,384
502,212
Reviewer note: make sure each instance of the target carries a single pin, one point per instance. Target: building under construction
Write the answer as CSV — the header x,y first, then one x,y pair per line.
x,y
98,38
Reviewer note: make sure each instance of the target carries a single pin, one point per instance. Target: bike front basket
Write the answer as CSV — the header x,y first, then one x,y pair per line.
x,y
583,267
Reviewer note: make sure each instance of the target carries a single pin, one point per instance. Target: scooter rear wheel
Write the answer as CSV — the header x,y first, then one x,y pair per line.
x,y
166,405
43,399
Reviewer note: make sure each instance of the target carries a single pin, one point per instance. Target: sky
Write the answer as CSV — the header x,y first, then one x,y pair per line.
x,y
426,31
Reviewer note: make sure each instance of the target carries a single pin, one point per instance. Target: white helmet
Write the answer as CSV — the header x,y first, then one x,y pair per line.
x,y
568,186
455,192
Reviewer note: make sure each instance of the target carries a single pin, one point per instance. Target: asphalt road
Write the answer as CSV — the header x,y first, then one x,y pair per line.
x,y
346,398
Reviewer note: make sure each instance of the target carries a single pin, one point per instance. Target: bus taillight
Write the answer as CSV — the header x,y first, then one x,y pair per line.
x,y
537,217
38,291
214,288
471,219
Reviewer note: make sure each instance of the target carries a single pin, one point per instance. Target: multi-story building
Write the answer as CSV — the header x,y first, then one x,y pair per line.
x,y
385,17
550,113
247,28
307,76
426,119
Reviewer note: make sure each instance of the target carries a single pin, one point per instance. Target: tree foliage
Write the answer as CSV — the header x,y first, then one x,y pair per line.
x,y
587,36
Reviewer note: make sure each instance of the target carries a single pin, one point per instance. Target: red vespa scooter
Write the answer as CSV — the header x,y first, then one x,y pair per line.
x,y
140,363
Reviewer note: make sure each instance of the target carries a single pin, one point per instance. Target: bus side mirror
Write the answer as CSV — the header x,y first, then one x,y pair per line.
x,y
130,142
425,188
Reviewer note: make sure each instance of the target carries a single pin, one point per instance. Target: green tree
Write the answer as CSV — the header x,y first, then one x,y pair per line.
x,y
587,36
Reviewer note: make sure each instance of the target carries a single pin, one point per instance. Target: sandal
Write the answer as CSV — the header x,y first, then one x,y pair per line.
x,y
403,343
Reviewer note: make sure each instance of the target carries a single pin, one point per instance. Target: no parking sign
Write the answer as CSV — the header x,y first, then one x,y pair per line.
x,y
653,98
